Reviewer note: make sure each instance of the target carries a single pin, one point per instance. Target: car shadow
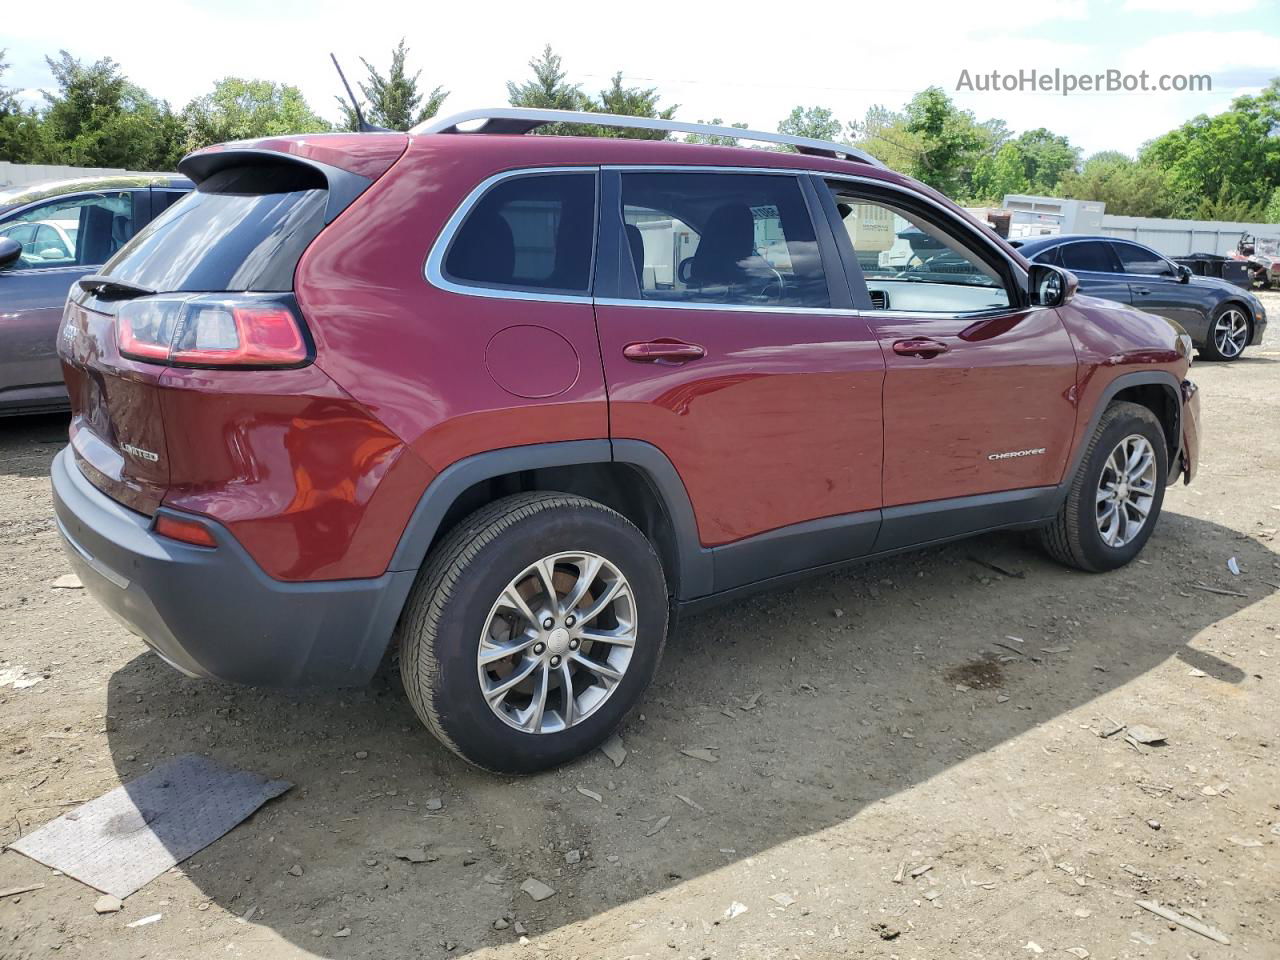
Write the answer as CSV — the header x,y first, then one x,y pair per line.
x,y
816,702
27,443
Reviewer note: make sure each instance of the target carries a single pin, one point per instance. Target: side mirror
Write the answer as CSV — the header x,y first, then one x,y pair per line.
x,y
1051,286
10,251
1184,273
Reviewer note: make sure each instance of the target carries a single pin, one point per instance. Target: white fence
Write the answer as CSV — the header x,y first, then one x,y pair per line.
x,y
21,174
1177,238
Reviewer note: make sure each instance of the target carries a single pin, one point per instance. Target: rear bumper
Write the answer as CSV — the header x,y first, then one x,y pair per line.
x,y
213,612
1190,430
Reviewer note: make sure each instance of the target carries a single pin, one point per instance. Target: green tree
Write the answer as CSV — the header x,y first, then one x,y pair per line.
x,y
951,141
1272,213
97,118
715,139
816,123
239,109
22,137
1003,173
631,102
1127,188
1223,164
549,89
393,101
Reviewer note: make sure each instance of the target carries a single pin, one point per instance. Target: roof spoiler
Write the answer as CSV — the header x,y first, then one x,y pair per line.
x,y
343,185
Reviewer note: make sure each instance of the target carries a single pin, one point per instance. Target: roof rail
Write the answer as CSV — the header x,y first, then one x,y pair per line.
x,y
525,119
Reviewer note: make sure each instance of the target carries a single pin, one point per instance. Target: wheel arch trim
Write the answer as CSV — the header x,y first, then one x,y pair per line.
x,y
1160,378
694,574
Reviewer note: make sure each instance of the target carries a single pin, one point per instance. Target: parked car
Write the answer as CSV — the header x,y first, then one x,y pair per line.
x,y
59,232
1221,318
1261,256
433,387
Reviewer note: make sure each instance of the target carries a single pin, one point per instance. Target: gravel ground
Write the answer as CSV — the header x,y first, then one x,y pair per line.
x,y
893,775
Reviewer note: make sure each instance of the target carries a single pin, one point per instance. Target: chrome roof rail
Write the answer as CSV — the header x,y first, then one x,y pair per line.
x,y
525,119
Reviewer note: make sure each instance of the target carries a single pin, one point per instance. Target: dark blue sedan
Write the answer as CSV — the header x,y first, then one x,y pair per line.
x,y
1221,318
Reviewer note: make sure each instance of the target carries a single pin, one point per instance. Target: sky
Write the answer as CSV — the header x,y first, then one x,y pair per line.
x,y
750,62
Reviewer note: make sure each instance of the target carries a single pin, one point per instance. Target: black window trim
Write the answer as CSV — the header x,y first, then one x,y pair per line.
x,y
434,271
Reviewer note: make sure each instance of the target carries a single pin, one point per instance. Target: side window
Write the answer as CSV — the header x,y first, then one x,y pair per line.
x,y
1090,255
1141,261
1052,256
725,238
528,232
85,230
913,264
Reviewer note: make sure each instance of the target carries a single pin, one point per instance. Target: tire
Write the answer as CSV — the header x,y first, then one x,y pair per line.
x,y
456,599
1075,537
1220,344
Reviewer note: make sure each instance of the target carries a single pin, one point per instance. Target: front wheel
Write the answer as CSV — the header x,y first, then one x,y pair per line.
x,y
1115,497
533,629
1228,333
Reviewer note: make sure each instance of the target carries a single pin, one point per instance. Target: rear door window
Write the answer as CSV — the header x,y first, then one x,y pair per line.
x,y
722,238
1092,256
243,228
531,232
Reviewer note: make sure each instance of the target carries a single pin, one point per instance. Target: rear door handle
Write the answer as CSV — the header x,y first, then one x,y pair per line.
x,y
1142,290
663,351
922,347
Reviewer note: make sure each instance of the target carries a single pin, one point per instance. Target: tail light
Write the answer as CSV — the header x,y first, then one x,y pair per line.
x,y
213,331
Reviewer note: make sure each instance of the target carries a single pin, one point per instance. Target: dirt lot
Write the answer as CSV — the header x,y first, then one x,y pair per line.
x,y
867,725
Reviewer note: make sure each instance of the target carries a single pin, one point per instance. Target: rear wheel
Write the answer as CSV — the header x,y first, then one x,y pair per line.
x,y
1116,495
533,629
1228,333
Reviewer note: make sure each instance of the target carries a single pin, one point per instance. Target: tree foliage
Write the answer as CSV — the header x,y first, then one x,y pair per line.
x,y
816,123
715,139
1127,188
1223,166
240,109
393,101
97,118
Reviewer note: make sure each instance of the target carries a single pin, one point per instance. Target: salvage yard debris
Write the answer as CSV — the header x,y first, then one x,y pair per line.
x,y
1189,922
126,838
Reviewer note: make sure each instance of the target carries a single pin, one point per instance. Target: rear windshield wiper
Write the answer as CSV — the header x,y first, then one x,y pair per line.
x,y
110,288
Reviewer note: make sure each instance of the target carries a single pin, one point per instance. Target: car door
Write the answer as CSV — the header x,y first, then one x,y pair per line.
x,y
1097,268
34,289
978,417
726,348
1157,287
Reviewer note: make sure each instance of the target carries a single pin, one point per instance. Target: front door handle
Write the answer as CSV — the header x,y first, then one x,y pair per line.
x,y
922,347
663,351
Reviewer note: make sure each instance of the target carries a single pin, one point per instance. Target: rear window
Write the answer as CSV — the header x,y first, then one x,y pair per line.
x,y
1090,256
241,229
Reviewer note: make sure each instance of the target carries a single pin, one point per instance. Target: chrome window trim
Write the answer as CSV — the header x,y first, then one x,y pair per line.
x,y
434,267
435,276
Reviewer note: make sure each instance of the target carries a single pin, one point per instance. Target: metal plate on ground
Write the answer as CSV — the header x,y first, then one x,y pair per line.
x,y
124,839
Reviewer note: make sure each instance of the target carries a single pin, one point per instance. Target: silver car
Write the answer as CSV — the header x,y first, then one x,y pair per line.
x,y
52,234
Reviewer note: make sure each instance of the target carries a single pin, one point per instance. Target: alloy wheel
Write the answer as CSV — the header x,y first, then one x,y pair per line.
x,y
557,642
1126,490
1231,333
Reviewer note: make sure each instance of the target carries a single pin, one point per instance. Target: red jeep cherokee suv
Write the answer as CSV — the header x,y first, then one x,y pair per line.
x,y
513,400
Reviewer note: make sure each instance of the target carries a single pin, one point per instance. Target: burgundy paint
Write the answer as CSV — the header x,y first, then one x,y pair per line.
x,y
788,417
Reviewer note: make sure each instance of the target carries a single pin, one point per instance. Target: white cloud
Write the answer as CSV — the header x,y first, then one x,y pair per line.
x,y
1190,8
